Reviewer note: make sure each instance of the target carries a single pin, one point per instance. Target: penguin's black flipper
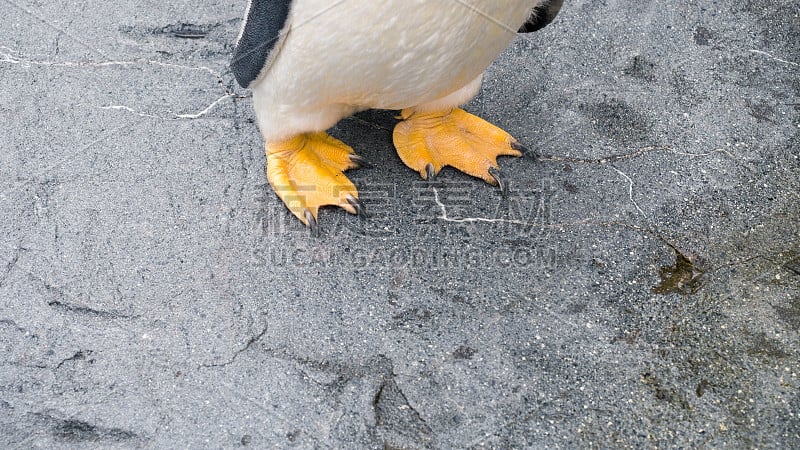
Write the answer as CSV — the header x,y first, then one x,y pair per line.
x,y
542,15
264,22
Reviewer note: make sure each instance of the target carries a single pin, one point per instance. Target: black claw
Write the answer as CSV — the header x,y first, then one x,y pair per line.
x,y
430,172
360,161
361,210
312,223
498,177
519,147
525,150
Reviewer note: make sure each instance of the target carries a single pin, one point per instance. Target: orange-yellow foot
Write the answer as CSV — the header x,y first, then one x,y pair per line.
x,y
306,173
426,142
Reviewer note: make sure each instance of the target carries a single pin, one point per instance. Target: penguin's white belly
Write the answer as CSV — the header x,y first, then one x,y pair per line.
x,y
343,56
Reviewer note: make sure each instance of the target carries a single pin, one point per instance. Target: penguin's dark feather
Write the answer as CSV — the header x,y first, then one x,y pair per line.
x,y
261,32
542,15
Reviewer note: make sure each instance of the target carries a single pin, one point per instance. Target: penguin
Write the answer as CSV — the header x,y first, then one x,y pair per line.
x,y
311,63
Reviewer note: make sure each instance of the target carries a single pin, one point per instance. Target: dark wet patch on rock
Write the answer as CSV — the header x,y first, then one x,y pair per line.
x,y
641,68
684,277
701,388
790,313
761,110
73,430
571,188
793,266
412,316
702,35
182,30
397,422
665,393
464,352
617,119
763,346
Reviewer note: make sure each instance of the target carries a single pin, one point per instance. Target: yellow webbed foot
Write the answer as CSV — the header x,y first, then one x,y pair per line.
x,y
426,142
306,172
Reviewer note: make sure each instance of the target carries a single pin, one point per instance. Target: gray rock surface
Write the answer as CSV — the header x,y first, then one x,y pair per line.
x,y
640,286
